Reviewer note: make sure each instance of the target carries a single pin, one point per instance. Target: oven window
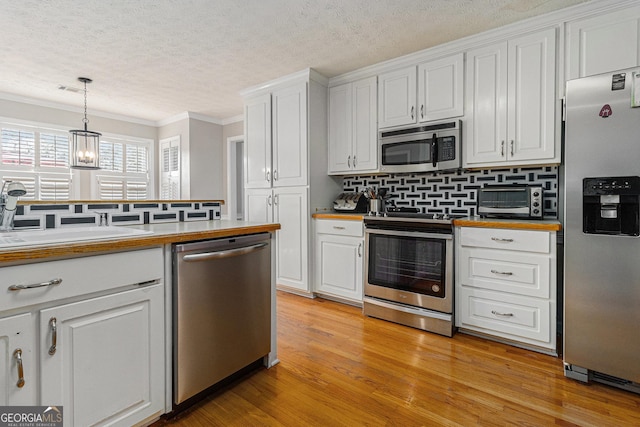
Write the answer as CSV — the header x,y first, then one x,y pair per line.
x,y
407,153
411,264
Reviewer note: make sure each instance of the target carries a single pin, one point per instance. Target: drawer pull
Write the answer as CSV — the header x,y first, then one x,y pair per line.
x,y
54,336
360,250
18,356
51,282
504,273
498,239
497,313
338,227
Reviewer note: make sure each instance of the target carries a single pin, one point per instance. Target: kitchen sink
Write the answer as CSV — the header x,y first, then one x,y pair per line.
x,y
12,239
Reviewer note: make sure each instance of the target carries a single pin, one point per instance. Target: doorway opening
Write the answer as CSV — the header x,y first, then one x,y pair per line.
x,y
235,177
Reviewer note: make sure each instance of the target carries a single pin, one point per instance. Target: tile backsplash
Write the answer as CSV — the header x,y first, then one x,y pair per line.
x,y
455,192
72,214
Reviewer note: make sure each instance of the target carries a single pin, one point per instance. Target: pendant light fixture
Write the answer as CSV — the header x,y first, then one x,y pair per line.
x,y
84,142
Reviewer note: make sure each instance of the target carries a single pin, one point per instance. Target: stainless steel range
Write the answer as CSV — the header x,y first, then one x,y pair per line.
x,y
409,270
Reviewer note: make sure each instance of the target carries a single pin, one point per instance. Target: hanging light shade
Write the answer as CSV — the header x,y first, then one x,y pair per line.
x,y
85,143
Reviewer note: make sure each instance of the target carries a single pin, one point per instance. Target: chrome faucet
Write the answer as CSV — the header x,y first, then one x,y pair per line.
x,y
8,203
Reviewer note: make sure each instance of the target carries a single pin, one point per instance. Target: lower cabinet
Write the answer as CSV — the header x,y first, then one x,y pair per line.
x,y
102,359
88,335
506,285
339,255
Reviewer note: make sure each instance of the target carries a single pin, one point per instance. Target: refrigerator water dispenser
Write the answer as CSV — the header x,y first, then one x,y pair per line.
x,y
611,205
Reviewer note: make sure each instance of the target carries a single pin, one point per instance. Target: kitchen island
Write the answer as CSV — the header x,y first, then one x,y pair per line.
x,y
87,325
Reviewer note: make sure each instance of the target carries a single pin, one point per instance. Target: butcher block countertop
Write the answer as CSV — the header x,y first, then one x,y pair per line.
x,y
161,234
521,224
343,216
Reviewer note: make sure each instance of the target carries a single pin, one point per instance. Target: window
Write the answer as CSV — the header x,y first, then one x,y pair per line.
x,y
38,156
170,168
125,170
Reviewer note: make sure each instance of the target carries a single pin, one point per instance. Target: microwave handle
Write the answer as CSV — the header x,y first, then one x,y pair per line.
x,y
434,150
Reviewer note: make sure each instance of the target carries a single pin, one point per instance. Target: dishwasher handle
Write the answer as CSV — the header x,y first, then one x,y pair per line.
x,y
204,256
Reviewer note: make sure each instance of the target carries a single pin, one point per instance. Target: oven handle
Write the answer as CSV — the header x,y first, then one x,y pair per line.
x,y
410,234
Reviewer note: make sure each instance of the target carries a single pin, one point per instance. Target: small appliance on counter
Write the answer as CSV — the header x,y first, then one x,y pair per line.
x,y
511,201
351,202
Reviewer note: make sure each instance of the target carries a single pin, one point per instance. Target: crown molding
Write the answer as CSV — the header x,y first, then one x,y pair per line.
x,y
304,75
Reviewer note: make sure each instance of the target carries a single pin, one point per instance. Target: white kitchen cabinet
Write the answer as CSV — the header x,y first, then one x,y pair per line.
x,y
353,130
108,366
510,102
289,207
257,131
506,285
339,259
108,363
276,138
18,377
602,43
286,139
434,92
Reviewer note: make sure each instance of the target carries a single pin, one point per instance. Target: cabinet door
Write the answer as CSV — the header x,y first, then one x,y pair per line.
x,y
339,266
365,125
397,98
289,111
486,99
340,150
257,131
440,88
108,363
17,343
607,42
292,212
258,205
531,102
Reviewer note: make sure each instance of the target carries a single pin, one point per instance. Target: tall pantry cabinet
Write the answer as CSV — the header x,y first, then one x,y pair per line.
x,y
285,127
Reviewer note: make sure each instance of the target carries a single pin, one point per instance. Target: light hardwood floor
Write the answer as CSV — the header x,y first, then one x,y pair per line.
x,y
339,368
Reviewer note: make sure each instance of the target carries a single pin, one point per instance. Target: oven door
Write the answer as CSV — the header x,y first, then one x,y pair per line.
x,y
413,268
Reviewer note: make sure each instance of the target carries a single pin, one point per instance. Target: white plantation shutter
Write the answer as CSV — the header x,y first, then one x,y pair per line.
x,y
54,150
170,172
111,156
18,147
110,188
136,190
55,188
137,158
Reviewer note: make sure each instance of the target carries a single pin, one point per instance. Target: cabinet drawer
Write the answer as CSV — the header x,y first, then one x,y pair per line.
x,y
339,227
80,276
509,239
513,272
505,315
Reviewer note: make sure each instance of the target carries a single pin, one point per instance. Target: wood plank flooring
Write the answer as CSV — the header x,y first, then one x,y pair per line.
x,y
340,368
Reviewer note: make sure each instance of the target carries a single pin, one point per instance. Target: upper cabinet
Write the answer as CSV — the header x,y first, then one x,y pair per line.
x,y
602,43
353,127
511,102
434,92
276,138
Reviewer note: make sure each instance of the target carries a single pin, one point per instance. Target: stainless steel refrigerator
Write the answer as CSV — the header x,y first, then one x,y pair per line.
x,y
601,224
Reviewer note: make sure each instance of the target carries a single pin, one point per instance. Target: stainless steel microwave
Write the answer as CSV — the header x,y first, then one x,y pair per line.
x,y
425,148
510,201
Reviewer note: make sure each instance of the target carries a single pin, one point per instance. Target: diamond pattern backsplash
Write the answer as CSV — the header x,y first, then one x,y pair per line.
x,y
455,192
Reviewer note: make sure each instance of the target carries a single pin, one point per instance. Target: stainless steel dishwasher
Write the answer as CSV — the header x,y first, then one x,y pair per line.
x,y
221,309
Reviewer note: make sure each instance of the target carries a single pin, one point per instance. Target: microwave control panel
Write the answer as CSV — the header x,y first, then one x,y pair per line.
x,y
446,148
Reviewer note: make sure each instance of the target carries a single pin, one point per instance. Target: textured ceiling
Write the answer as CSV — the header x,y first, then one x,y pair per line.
x,y
154,59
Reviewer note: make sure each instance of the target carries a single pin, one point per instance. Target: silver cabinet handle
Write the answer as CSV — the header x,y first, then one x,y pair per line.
x,y
51,282
54,335
276,199
268,175
498,239
504,273
502,149
511,145
275,175
354,160
18,356
337,227
412,110
205,256
360,250
497,313
349,162
269,200
422,111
